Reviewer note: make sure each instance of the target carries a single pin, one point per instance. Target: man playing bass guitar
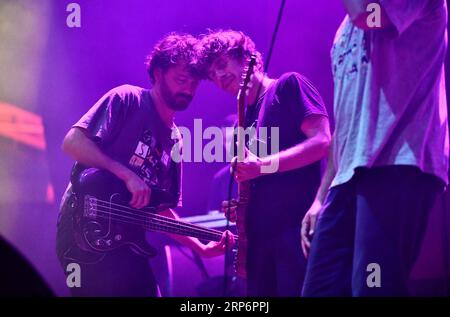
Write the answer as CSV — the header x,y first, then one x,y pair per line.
x,y
129,133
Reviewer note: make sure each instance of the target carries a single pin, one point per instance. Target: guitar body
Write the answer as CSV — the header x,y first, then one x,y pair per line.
x,y
104,221
96,227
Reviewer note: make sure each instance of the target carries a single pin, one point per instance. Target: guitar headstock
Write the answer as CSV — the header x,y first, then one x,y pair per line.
x,y
246,77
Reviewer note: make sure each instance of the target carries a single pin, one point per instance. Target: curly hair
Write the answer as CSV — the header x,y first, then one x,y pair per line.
x,y
229,42
172,49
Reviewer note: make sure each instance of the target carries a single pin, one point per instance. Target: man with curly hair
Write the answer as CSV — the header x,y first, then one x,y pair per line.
x,y
278,201
128,132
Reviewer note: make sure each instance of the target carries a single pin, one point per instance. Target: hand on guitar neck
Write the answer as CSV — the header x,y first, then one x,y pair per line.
x,y
211,249
229,208
247,169
214,248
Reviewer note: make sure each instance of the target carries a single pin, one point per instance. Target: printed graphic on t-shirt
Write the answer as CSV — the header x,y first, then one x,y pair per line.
x,y
150,161
350,47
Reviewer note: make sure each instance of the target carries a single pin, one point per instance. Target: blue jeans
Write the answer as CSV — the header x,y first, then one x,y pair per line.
x,y
370,232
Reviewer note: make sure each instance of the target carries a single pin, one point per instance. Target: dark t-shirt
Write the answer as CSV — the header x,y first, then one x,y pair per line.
x,y
280,200
126,126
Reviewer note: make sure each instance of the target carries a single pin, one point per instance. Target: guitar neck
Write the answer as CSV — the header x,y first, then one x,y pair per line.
x,y
147,219
243,187
169,225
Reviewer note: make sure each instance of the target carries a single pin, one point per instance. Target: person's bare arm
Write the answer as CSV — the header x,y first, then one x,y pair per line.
x,y
314,148
211,249
327,178
310,219
81,148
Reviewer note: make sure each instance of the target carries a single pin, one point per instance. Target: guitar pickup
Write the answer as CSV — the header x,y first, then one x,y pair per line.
x,y
90,207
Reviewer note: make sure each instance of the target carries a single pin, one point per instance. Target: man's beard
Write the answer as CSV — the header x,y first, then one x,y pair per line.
x,y
176,102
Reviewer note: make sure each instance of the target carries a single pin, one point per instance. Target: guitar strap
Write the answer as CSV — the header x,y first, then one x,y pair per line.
x,y
255,113
268,95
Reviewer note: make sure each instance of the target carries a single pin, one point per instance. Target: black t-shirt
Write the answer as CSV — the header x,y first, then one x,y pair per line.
x,y
126,126
280,200
219,189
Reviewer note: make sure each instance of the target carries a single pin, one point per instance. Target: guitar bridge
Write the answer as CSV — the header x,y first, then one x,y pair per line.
x,y
90,207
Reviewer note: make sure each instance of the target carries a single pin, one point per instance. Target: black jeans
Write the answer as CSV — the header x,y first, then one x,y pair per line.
x,y
373,224
119,273
276,265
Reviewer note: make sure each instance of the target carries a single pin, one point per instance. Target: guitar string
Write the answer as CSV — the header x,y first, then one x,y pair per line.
x,y
155,216
161,228
162,218
149,227
160,221
150,214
